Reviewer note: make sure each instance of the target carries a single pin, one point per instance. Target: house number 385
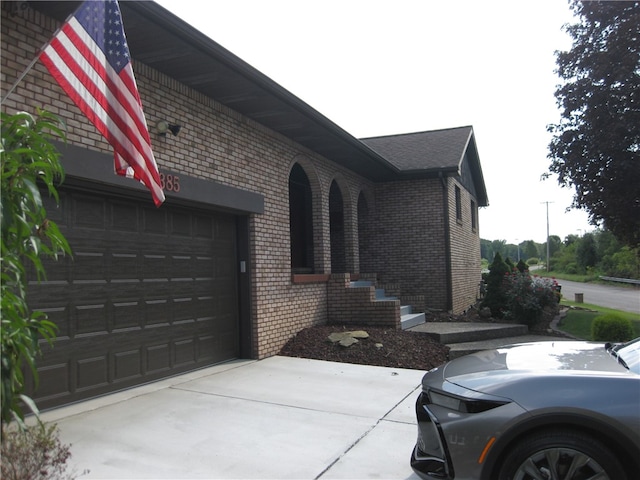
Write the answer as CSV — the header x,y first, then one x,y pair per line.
x,y
170,183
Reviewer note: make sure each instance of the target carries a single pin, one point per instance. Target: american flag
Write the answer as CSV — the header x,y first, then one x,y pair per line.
x,y
89,58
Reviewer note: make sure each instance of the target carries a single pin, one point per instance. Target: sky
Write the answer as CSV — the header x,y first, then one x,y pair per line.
x,y
383,67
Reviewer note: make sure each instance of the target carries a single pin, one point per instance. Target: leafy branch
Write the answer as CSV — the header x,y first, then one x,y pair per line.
x,y
28,161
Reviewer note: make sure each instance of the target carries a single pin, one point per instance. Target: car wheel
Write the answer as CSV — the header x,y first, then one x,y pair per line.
x,y
560,455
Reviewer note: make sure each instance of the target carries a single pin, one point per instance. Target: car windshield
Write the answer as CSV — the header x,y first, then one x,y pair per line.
x,y
628,354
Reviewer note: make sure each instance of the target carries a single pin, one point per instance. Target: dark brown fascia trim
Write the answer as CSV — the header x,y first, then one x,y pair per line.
x,y
81,164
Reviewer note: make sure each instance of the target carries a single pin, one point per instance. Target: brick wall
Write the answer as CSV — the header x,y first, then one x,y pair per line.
x,y
465,251
406,240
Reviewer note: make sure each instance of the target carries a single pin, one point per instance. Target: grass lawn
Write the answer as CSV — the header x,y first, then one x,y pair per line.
x,y
578,320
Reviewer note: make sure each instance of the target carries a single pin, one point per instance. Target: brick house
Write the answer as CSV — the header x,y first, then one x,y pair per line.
x,y
276,219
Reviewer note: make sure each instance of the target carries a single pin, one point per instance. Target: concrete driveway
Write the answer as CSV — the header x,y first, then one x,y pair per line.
x,y
278,418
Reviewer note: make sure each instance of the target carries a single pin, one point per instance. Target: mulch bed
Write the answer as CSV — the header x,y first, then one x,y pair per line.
x,y
399,348
385,347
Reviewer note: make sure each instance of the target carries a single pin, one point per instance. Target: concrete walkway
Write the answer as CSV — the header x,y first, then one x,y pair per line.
x,y
278,418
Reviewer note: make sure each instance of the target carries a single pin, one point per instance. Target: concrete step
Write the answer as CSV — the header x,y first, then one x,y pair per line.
x,y
411,320
464,338
461,332
382,296
405,310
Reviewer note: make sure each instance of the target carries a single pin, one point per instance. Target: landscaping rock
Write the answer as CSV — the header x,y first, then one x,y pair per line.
x,y
346,339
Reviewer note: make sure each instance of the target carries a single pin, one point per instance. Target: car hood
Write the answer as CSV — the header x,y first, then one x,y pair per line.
x,y
482,370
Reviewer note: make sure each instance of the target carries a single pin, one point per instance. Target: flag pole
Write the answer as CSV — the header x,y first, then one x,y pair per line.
x,y
33,62
22,75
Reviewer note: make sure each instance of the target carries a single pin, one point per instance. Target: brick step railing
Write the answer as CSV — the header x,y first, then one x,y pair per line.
x,y
362,302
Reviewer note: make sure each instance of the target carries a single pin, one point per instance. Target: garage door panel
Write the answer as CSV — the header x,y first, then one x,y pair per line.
x,y
123,218
154,221
203,227
124,265
92,373
59,315
126,315
181,266
127,364
181,225
90,319
149,293
88,212
158,358
55,381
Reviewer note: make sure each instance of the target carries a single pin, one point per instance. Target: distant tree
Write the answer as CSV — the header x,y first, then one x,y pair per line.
x,y
486,251
530,249
586,252
499,246
564,259
571,238
607,243
555,244
596,145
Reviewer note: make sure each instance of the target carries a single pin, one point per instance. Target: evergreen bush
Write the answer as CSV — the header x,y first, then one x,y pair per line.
x,y
494,298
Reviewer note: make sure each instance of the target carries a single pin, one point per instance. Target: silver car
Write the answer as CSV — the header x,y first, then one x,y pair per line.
x,y
563,410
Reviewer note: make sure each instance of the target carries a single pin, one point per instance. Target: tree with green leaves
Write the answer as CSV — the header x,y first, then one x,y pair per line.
x,y
29,162
596,145
530,249
586,252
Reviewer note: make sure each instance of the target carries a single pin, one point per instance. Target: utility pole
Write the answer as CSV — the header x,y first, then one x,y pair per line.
x,y
547,203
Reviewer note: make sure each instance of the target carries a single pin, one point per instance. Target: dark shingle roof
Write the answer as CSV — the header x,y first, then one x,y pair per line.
x,y
433,153
434,150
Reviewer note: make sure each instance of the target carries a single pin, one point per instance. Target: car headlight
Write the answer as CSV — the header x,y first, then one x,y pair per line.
x,y
464,404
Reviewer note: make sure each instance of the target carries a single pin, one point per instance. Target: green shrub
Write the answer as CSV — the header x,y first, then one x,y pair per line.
x,y
533,261
611,328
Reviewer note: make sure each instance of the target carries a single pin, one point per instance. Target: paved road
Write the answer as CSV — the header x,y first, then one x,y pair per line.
x,y
620,298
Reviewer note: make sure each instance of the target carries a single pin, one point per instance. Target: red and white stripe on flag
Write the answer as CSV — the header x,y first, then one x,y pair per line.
x,y
89,58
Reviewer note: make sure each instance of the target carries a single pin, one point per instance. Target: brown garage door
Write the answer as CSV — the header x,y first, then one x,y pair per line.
x,y
149,293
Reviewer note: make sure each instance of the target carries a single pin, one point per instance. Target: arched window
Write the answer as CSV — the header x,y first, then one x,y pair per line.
x,y
300,221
